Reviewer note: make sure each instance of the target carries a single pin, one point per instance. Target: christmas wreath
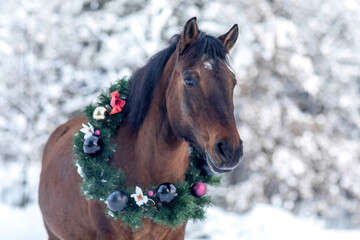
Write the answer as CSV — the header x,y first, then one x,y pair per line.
x,y
170,204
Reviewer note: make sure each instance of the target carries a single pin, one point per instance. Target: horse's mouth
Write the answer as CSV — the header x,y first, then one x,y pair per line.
x,y
212,166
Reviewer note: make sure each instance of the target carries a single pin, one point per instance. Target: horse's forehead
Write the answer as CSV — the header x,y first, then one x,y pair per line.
x,y
208,62
218,66
208,66
211,64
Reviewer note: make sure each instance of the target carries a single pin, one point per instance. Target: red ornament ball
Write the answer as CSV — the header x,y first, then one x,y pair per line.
x,y
198,189
151,193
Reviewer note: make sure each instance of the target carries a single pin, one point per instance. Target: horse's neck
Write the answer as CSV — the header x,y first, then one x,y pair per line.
x,y
163,157
153,154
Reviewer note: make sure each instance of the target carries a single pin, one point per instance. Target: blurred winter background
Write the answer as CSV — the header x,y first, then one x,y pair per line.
x,y
297,103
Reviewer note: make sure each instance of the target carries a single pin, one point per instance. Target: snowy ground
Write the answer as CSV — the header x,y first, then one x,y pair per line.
x,y
263,222
21,224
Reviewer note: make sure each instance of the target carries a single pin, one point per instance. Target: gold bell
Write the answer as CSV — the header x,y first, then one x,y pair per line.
x,y
100,113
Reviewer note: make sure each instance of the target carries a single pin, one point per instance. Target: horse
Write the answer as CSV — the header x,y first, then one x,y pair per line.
x,y
183,95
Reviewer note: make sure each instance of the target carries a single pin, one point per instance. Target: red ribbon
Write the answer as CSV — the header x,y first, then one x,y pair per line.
x,y
116,103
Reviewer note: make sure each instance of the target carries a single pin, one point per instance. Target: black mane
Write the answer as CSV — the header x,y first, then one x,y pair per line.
x,y
144,81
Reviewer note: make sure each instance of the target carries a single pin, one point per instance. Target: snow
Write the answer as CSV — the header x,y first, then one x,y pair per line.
x,y
79,169
21,223
296,102
263,222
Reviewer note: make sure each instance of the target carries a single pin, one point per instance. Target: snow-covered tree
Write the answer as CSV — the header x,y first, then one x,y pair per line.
x,y
297,99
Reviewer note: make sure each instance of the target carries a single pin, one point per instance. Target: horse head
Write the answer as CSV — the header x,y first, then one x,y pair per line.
x,y
199,97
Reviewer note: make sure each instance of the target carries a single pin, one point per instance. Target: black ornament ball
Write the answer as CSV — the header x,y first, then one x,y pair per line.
x,y
117,201
93,145
166,192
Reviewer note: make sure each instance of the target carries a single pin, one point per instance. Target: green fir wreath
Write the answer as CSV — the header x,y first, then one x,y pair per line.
x,y
100,179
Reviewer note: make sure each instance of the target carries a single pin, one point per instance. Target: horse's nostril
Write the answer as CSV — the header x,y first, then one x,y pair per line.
x,y
226,153
221,150
220,147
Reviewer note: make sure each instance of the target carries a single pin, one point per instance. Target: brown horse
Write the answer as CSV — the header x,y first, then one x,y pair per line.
x,y
182,95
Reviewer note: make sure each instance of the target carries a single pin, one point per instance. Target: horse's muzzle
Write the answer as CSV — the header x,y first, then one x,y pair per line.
x,y
227,158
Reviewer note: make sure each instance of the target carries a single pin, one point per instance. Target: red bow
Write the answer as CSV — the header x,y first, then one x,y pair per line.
x,y
116,102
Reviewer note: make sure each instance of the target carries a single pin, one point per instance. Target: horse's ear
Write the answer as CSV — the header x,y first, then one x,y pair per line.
x,y
189,34
229,38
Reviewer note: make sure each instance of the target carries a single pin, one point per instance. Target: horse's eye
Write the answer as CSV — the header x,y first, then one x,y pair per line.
x,y
190,81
